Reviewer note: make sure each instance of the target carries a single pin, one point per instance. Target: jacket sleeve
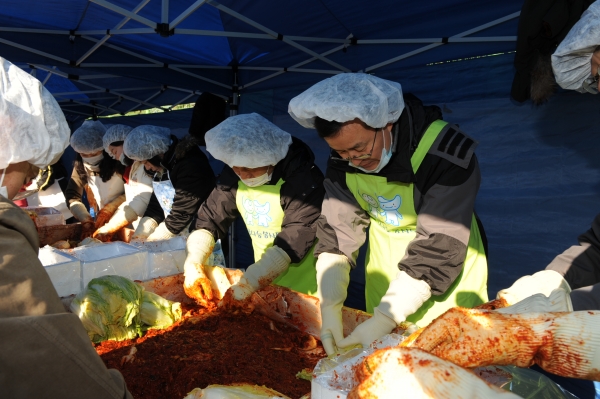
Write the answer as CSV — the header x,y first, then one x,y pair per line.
x,y
342,226
75,187
571,59
301,199
580,266
437,253
141,187
193,180
220,209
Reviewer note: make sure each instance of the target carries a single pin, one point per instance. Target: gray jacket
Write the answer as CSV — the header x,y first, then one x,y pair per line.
x,y
580,266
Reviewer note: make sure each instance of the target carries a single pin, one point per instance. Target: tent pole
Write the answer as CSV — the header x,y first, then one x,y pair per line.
x,y
164,12
233,111
185,14
122,11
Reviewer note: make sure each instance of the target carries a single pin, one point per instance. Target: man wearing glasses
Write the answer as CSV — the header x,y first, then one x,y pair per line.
x,y
411,178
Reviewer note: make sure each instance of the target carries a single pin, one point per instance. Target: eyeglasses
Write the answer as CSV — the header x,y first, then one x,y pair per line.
x,y
357,157
591,84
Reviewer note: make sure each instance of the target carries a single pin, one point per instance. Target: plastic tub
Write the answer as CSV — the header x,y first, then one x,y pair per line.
x,y
64,270
165,257
46,216
114,258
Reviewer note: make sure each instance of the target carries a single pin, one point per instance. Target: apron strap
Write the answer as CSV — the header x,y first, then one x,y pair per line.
x,y
426,142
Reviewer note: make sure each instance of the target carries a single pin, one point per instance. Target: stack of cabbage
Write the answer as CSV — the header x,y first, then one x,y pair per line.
x,y
116,308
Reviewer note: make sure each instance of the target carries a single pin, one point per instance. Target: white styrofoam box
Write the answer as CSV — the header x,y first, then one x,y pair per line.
x,y
46,216
64,270
165,257
113,258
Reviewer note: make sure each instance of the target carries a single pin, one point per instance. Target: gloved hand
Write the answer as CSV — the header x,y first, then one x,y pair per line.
x,y
412,373
565,344
108,211
333,277
161,233
404,297
122,217
146,227
196,285
542,282
260,274
81,213
558,301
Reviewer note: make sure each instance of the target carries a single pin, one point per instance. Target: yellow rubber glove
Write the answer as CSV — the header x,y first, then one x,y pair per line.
x,y
161,233
122,217
81,213
197,285
558,301
404,296
542,282
262,273
146,227
333,277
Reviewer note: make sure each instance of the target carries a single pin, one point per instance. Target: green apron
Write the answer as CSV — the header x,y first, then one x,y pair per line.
x,y
261,210
390,206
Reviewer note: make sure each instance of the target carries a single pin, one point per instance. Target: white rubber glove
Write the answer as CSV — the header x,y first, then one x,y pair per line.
x,y
565,344
542,282
122,217
196,285
413,373
558,301
146,227
404,297
260,274
161,233
333,277
80,212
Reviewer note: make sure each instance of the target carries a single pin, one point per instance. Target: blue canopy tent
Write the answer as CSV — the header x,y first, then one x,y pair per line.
x,y
540,173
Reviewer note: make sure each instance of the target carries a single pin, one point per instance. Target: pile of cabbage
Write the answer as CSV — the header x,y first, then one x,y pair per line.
x,y
116,308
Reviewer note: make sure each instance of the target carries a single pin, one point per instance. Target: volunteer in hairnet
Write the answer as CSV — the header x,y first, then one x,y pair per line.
x,y
271,181
138,184
182,180
579,51
44,351
95,172
411,178
577,270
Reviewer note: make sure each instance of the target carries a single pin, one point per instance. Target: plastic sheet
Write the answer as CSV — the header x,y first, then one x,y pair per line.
x,y
64,270
333,378
115,258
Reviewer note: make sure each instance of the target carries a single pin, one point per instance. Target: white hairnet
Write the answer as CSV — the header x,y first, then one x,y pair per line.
x,y
347,96
571,60
147,141
115,133
32,126
88,138
247,140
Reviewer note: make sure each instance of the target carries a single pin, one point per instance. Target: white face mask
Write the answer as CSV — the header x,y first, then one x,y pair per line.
x,y
3,189
93,161
386,155
257,181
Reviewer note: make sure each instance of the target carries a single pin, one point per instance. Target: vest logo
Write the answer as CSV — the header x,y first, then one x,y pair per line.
x,y
256,210
250,213
262,213
385,208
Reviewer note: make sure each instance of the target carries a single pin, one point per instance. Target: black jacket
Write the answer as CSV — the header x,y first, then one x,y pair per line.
x,y
301,196
192,178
